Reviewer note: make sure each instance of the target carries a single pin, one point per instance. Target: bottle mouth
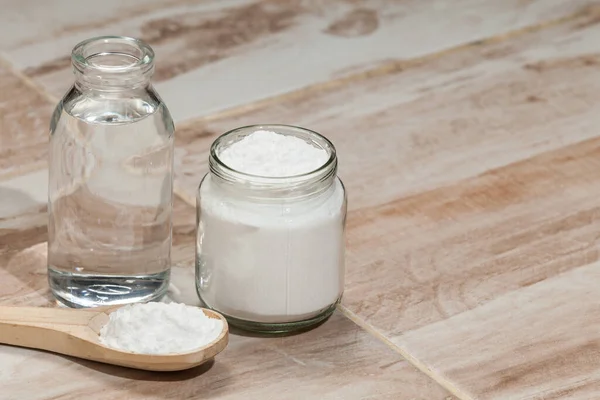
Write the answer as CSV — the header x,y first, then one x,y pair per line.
x,y
113,55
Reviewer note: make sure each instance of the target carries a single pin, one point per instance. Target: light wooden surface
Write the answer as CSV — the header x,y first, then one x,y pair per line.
x,y
214,55
76,333
24,116
467,134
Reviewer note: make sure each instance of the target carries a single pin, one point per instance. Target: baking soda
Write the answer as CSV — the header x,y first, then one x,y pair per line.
x,y
271,260
266,153
159,328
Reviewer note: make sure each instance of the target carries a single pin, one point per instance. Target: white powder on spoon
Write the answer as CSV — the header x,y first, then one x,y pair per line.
x,y
159,328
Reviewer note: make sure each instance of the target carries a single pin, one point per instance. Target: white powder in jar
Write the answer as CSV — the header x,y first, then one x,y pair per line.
x,y
266,153
159,328
271,260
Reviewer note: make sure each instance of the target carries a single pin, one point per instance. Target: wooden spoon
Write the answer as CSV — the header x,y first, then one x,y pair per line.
x,y
75,332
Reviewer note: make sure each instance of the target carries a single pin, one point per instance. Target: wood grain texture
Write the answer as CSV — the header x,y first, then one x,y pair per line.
x,y
216,55
471,178
24,125
478,241
538,342
437,121
457,247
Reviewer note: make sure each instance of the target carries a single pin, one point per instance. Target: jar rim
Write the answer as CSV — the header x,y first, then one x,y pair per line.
x,y
139,51
329,168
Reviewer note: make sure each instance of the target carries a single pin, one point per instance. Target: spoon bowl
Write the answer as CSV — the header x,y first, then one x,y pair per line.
x,y
75,332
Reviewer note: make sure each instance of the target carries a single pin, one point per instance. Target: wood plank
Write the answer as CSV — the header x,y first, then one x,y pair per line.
x,y
24,125
539,342
492,249
336,360
454,248
216,55
434,122
471,177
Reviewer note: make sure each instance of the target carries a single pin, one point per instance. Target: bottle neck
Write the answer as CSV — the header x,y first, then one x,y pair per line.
x,y
112,64
86,82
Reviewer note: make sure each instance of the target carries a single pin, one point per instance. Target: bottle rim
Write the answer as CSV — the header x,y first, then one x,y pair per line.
x,y
325,172
85,54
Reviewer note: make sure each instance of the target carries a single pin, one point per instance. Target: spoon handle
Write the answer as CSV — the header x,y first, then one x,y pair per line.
x,y
52,329
39,315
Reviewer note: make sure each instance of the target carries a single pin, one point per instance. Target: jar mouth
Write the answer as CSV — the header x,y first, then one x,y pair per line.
x,y
113,55
325,171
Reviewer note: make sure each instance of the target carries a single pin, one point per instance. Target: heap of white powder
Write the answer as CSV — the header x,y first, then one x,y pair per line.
x,y
271,154
159,328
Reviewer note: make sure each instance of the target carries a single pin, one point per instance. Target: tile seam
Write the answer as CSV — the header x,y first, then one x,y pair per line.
x,y
440,380
177,191
39,89
36,167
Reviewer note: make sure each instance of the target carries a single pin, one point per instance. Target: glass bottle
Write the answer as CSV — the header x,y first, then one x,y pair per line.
x,y
110,179
270,250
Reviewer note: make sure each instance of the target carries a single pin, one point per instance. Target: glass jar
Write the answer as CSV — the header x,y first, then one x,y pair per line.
x,y
110,179
270,250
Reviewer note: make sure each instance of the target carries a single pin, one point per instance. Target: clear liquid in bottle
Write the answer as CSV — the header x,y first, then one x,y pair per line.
x,y
110,185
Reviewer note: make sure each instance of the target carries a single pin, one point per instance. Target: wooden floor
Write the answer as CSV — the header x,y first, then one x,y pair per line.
x,y
468,134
